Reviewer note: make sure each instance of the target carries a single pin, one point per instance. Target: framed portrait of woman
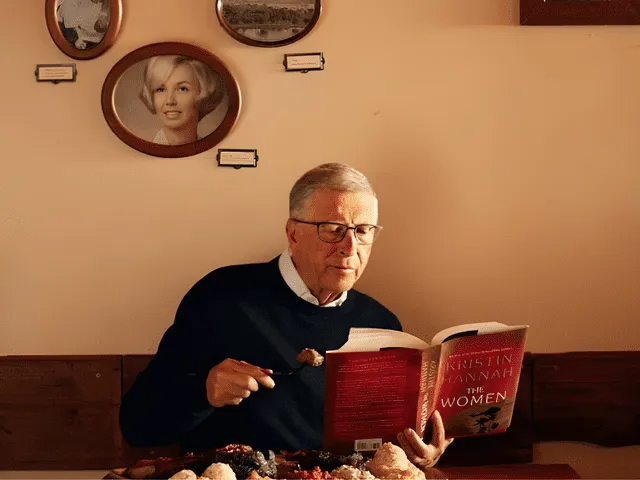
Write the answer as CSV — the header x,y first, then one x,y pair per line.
x,y
83,29
268,23
171,99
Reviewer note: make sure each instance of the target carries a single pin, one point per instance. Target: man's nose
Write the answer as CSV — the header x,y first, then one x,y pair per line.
x,y
349,243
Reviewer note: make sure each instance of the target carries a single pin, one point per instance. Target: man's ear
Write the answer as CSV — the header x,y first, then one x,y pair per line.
x,y
291,232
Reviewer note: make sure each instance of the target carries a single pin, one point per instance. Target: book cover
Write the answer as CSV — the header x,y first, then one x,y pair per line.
x,y
382,381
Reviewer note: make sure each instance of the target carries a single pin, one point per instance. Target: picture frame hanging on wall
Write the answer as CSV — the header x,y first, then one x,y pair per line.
x,y
83,29
268,23
579,12
171,99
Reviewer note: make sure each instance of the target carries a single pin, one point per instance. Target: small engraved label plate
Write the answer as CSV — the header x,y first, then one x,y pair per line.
x,y
56,73
303,62
237,157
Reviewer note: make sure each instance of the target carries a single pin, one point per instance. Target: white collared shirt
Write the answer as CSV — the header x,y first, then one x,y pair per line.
x,y
295,282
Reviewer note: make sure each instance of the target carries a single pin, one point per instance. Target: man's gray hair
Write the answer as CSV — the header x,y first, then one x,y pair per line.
x,y
330,176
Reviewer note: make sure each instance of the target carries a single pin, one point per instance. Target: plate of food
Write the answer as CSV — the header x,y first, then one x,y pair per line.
x,y
236,462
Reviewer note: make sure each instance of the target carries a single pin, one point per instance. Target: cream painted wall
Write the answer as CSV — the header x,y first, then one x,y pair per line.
x,y
506,159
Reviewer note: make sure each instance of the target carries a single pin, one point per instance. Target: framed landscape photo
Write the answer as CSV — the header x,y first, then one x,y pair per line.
x,y
170,99
579,12
83,29
268,23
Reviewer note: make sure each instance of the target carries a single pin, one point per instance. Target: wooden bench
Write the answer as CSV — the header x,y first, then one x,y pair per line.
x,y
61,412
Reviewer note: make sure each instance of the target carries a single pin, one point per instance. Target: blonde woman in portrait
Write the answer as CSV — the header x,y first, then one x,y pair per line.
x,y
180,91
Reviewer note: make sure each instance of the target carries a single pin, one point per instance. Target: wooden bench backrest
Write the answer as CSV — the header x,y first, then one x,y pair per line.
x,y
61,412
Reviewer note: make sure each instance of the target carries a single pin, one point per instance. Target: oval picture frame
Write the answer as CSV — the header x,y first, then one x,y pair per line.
x,y
154,94
79,30
263,25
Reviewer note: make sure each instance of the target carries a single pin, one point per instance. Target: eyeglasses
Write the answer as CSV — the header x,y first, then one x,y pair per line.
x,y
331,232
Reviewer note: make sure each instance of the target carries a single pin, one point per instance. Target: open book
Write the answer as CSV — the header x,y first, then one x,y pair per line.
x,y
383,381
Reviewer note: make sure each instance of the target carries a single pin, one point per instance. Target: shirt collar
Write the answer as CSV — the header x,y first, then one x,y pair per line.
x,y
294,281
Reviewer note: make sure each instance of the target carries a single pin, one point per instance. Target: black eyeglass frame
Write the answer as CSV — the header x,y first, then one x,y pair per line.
x,y
378,229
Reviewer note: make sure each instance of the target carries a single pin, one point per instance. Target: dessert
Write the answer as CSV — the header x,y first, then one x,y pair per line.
x,y
310,357
184,475
219,471
390,462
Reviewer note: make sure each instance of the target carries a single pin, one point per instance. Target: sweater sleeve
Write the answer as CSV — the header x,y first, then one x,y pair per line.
x,y
168,399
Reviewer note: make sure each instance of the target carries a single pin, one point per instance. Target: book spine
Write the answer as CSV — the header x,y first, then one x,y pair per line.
x,y
428,384
421,420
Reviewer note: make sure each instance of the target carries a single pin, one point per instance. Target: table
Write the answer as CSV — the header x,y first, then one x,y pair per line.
x,y
514,471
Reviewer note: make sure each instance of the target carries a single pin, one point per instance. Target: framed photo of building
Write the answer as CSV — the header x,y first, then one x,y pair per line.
x,y
83,29
268,23
170,99
579,12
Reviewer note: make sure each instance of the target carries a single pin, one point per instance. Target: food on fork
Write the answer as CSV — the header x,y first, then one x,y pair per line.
x,y
310,357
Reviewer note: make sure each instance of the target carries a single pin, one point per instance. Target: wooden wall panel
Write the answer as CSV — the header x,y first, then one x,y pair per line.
x,y
41,380
62,412
588,397
59,412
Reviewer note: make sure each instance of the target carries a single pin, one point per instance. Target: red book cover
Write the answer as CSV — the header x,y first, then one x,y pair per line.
x,y
382,381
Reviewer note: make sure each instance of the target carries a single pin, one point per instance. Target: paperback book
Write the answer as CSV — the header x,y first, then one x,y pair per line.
x,y
383,381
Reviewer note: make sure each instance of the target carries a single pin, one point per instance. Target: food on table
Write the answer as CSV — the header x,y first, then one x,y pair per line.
x,y
310,357
255,476
315,474
220,471
184,475
390,462
347,472
242,459
161,467
235,462
308,459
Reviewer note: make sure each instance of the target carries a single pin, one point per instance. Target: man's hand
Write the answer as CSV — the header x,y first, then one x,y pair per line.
x,y
418,452
231,381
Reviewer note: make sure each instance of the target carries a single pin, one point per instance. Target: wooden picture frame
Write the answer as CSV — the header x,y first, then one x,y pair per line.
x,y
247,22
579,12
83,33
170,99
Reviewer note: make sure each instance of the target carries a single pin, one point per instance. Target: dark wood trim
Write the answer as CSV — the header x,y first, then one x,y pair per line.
x,y
528,471
579,12
587,397
55,413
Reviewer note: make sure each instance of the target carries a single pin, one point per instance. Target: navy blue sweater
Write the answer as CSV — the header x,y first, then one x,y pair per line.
x,y
245,312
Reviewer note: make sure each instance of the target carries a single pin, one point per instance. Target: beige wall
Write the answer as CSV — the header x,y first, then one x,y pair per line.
x,y
506,159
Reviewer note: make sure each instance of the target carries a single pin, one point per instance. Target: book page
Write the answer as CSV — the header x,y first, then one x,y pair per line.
x,y
481,328
374,339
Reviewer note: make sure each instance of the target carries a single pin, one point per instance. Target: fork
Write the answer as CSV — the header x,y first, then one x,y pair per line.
x,y
295,370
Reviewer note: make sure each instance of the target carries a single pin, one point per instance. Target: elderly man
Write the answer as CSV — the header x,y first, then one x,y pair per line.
x,y
210,382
